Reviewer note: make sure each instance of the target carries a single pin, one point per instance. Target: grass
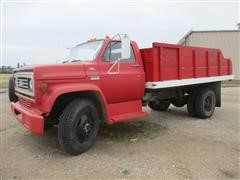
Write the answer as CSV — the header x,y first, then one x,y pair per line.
x,y
131,131
4,80
125,172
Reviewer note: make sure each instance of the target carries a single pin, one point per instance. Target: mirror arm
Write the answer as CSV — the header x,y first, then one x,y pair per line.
x,y
110,51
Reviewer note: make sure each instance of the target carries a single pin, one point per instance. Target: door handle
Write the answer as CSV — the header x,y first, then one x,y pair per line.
x,y
136,65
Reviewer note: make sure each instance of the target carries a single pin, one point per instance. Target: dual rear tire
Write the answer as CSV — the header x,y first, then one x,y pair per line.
x,y
201,103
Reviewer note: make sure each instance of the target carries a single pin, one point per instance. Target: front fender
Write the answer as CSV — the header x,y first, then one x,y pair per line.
x,y
55,91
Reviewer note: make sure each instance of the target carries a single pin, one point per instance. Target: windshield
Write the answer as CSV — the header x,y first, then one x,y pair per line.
x,y
85,52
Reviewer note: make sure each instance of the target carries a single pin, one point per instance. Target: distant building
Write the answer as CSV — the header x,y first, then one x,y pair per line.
x,y
226,40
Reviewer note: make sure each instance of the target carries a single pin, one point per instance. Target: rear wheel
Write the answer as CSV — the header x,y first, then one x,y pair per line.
x,y
205,103
78,126
159,105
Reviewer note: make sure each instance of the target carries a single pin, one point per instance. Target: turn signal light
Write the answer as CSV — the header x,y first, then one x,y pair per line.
x,y
43,87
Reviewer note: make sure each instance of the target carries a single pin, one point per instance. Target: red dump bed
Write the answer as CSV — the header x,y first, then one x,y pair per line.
x,y
174,62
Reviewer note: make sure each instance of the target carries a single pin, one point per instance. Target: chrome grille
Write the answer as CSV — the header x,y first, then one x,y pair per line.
x,y
24,83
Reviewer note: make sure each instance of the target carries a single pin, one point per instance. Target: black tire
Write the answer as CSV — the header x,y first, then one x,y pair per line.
x,y
11,92
159,105
191,104
205,103
48,127
179,102
78,126
49,123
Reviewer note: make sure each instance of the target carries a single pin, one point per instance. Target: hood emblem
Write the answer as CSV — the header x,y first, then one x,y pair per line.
x,y
95,77
91,68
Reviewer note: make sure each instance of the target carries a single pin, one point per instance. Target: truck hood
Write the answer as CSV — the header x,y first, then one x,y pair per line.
x,y
56,71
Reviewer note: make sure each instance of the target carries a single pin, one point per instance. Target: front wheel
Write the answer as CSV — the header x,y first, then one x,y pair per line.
x,y
78,126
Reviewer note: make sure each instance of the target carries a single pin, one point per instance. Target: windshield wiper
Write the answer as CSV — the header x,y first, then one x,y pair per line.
x,y
76,60
64,62
71,61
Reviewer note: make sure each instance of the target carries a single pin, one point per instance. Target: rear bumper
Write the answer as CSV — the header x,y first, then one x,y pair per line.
x,y
30,119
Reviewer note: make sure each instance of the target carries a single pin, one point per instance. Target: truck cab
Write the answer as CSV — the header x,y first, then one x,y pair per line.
x,y
94,75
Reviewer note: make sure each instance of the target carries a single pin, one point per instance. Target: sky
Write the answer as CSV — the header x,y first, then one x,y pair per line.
x,y
37,33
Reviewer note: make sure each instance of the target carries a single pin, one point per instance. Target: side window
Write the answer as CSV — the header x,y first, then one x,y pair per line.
x,y
113,53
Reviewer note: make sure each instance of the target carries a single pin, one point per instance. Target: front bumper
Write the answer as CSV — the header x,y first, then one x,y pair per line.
x,y
30,119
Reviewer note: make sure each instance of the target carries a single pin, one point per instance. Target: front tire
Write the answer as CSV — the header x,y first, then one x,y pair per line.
x,y
78,126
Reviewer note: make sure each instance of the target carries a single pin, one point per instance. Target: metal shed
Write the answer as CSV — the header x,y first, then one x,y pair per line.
x,y
226,40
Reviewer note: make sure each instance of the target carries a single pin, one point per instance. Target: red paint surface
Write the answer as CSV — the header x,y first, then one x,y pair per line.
x,y
30,119
171,62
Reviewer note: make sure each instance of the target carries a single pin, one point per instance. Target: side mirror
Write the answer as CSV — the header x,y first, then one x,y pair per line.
x,y
125,47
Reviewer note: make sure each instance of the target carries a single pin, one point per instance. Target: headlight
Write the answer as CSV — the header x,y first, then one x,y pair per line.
x,y
31,84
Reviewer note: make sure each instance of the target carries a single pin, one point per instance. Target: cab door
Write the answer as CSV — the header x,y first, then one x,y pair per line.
x,y
121,79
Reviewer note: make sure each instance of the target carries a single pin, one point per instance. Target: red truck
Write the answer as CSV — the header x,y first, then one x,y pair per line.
x,y
109,80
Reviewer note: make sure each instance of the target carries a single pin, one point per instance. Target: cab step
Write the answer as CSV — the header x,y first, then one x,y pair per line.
x,y
128,116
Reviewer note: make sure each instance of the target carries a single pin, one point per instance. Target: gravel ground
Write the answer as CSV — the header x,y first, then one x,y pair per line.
x,y
184,148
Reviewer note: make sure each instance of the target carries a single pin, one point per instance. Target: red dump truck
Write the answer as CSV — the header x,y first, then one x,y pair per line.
x,y
109,80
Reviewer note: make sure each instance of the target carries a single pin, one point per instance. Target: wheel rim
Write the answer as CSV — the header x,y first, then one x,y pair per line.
x,y
208,103
84,127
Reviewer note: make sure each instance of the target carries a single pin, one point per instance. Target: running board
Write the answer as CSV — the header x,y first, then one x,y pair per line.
x,y
128,116
124,111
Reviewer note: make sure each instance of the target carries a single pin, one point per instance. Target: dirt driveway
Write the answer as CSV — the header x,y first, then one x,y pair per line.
x,y
163,145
